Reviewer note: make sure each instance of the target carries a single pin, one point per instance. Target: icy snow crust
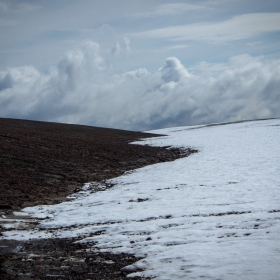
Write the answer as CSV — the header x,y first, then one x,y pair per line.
x,y
214,214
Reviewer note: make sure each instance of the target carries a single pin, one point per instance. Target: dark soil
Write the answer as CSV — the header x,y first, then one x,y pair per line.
x,y
42,163
63,259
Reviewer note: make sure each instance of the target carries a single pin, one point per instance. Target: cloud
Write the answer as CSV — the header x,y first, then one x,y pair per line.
x,y
173,71
83,89
237,28
116,49
123,46
18,8
10,8
126,44
172,9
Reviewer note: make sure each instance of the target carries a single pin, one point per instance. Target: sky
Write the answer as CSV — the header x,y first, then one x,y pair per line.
x,y
139,65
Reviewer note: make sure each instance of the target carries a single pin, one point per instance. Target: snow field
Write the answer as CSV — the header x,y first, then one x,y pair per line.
x,y
214,214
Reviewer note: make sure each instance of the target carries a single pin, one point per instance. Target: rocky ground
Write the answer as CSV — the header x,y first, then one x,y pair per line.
x,y
42,163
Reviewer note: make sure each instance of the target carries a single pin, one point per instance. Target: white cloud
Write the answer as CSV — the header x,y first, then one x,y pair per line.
x,y
126,44
177,47
123,46
173,71
82,89
254,43
172,9
237,28
116,49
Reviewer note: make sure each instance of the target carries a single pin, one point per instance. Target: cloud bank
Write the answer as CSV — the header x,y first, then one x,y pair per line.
x,y
239,27
82,88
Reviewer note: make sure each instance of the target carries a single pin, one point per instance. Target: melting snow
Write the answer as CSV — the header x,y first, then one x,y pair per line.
x,y
215,214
